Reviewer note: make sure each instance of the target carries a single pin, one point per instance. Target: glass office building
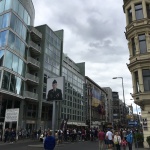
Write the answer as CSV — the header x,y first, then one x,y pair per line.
x,y
73,107
19,61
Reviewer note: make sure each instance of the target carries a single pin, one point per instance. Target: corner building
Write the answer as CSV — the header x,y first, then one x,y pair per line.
x,y
19,61
138,36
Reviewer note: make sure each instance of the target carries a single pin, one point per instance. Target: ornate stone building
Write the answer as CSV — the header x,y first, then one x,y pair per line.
x,y
138,36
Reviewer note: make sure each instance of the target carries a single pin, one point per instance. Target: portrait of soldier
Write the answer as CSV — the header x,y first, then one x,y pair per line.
x,y
54,93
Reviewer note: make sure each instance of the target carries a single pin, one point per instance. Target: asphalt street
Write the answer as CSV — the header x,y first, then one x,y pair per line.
x,y
36,145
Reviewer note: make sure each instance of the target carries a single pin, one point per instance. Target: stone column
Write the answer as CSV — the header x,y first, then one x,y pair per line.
x,y
137,44
130,48
144,9
133,11
141,86
148,41
133,82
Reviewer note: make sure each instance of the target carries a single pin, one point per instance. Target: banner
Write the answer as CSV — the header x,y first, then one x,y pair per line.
x,y
55,88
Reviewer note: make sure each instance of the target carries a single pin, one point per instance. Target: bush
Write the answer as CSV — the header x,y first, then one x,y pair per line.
x,y
138,137
148,140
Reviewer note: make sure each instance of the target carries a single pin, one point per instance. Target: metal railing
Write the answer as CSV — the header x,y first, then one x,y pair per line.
x,y
32,77
31,95
33,61
35,31
35,46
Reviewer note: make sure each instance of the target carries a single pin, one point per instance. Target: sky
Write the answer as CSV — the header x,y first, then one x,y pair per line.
x,y
94,34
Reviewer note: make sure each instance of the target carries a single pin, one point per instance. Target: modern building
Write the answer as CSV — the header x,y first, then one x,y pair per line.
x,y
109,109
73,107
138,36
29,56
95,98
20,52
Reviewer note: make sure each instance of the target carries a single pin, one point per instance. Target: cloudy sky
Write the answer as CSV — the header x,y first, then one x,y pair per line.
x,y
94,34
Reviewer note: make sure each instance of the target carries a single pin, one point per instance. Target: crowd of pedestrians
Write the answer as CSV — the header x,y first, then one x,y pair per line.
x,y
116,140
10,135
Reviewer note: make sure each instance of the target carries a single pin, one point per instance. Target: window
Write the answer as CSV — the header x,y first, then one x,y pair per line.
x,y
138,11
136,81
6,80
129,15
45,78
44,92
3,38
146,79
142,44
2,4
13,83
5,21
133,47
1,57
8,56
148,10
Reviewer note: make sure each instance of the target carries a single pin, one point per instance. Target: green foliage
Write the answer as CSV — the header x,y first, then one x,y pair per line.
x,y
148,140
138,137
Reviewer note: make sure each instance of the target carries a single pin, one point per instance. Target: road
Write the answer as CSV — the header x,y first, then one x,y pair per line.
x,y
36,145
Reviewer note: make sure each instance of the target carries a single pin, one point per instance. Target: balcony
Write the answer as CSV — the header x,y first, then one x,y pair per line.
x,y
30,95
35,34
34,64
34,48
31,79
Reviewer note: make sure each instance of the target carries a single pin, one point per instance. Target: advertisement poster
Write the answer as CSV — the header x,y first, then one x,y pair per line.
x,y
55,88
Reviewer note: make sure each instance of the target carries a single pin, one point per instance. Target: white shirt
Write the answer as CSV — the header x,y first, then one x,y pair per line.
x,y
109,135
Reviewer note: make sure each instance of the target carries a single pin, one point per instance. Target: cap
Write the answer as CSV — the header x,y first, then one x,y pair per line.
x,y
54,81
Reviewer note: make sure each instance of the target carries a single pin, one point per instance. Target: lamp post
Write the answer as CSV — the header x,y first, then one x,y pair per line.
x,y
123,92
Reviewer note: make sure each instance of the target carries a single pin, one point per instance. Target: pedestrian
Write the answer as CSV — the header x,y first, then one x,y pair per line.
x,y
124,143
109,138
117,141
50,142
101,138
129,139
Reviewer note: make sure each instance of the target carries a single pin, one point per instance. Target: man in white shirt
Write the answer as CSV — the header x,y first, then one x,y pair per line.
x,y
109,137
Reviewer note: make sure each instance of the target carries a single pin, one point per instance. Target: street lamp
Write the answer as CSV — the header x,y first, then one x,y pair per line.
x,y
122,90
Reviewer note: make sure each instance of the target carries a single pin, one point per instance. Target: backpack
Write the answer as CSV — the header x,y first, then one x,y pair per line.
x,y
129,138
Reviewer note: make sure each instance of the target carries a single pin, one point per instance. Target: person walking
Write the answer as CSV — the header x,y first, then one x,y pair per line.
x,y
109,138
101,138
117,141
129,139
50,142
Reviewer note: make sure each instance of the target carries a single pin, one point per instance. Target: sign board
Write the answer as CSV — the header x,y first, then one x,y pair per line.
x,y
12,115
133,123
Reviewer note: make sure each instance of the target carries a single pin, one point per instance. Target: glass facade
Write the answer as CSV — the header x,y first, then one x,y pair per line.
x,y
52,52
73,107
17,7
12,83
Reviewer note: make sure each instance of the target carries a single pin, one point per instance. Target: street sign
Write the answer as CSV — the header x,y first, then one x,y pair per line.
x,y
133,123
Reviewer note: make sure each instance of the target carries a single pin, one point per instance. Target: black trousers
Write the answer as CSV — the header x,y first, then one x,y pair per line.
x,y
118,147
130,145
